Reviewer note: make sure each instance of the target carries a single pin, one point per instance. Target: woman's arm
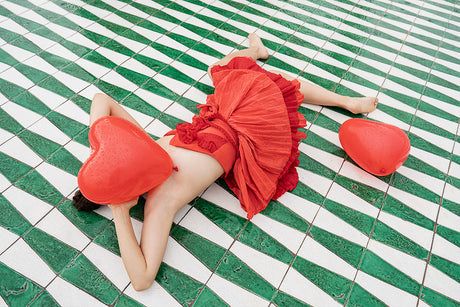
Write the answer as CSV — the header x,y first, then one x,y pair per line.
x,y
142,262
103,105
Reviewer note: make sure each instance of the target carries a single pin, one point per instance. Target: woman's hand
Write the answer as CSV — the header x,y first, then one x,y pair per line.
x,y
125,206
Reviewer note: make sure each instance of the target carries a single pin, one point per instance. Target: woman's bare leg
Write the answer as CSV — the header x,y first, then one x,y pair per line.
x,y
255,51
104,105
314,94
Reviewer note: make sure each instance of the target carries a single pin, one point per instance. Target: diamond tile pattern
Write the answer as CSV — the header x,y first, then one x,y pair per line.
x,y
342,237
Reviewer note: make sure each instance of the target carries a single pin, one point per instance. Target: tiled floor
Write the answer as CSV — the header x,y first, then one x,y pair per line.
x,y
342,237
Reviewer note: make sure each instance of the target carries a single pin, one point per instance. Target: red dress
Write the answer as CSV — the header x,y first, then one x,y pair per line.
x,y
250,125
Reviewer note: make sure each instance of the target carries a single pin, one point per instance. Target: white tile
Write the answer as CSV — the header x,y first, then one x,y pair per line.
x,y
32,208
331,223
328,135
109,264
23,259
181,259
441,283
232,294
61,180
435,139
422,206
153,296
301,288
302,207
357,174
315,70
40,41
448,219
67,294
60,30
80,39
385,292
10,25
62,52
93,68
157,128
133,11
179,111
314,181
383,117
39,63
73,83
79,151
346,198
169,42
14,76
14,8
418,234
113,56
151,35
141,118
434,160
223,199
20,151
49,98
447,107
81,21
7,239
431,183
190,71
129,43
196,95
174,85
287,236
363,90
135,65
409,265
196,222
452,193
57,225
446,249
71,110
320,255
4,183
46,129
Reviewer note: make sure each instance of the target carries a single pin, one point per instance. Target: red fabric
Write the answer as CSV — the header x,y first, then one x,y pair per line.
x,y
256,112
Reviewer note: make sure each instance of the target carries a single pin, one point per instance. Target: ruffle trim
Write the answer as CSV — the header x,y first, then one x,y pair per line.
x,y
289,177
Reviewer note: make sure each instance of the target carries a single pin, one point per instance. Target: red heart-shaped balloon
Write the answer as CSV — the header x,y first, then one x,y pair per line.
x,y
378,148
125,162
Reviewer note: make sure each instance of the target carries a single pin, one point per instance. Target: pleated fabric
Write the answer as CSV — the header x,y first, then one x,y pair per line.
x,y
256,112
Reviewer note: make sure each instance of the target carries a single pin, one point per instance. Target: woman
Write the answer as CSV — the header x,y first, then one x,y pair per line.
x,y
246,132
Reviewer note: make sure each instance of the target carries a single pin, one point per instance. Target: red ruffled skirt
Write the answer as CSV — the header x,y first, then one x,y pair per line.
x,y
250,125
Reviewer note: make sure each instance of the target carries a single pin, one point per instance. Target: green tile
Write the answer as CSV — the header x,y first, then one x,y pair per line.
x,y
76,71
83,102
332,283
33,74
132,76
209,253
449,234
117,93
258,239
11,168
420,143
451,206
126,301
449,268
372,195
432,128
64,160
278,212
67,125
399,209
54,252
208,298
382,270
360,221
236,271
6,58
434,298
403,183
83,274
82,138
11,219
229,222
282,299
181,286
317,141
8,123
108,239
44,299
304,191
159,89
33,183
32,103
97,58
10,90
440,96
348,251
15,289
391,237
90,223
360,297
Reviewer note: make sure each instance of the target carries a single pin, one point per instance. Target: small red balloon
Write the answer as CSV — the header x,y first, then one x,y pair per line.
x,y
125,162
378,148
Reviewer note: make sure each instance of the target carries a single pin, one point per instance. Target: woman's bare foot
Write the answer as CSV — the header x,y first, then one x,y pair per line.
x,y
358,105
256,42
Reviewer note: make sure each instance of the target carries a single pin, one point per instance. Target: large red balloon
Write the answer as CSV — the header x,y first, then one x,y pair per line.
x,y
378,148
125,162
